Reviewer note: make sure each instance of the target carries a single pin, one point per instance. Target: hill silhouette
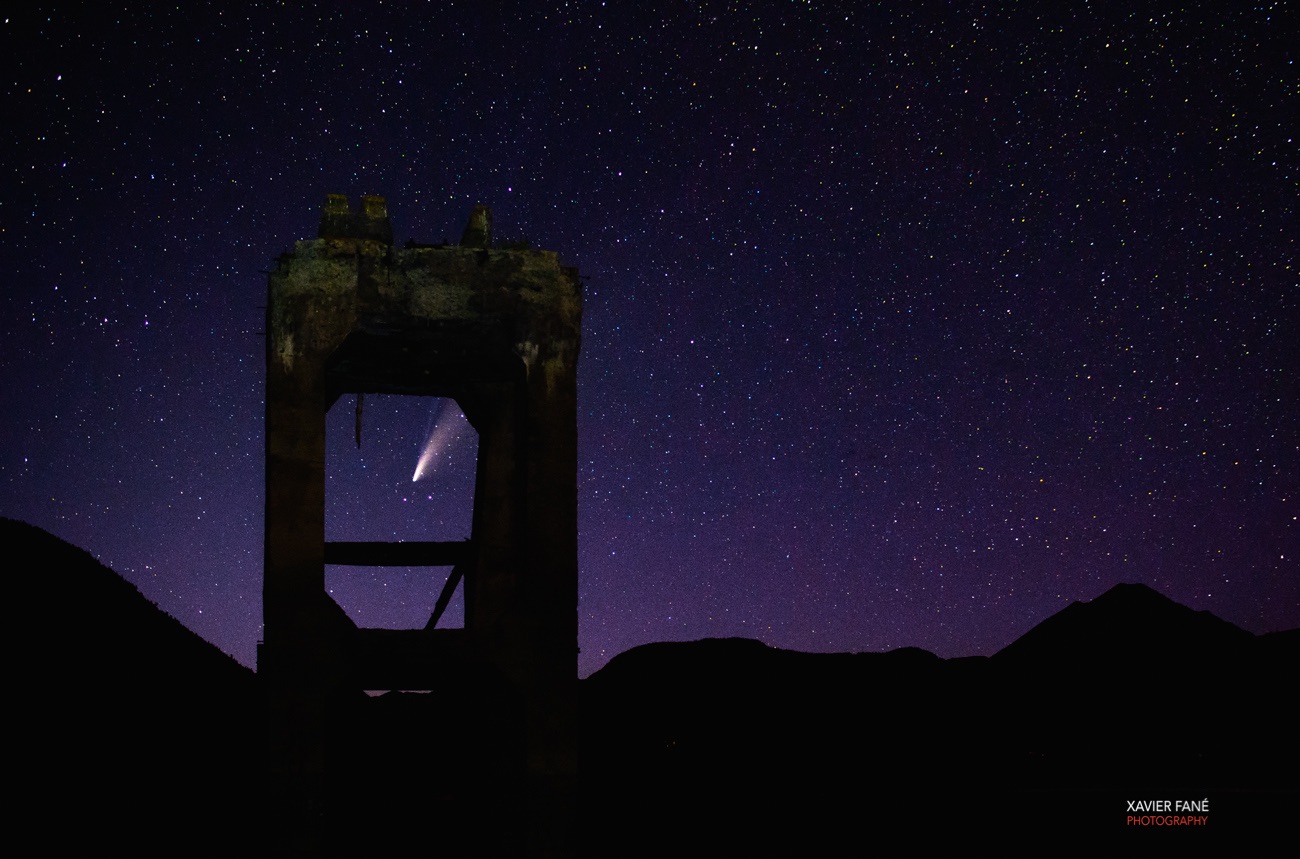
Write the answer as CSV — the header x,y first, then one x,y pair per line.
x,y
138,732
127,728
1128,622
1128,697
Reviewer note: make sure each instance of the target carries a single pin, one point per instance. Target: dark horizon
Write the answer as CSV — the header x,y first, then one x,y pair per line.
x,y
901,328
1130,701
1135,595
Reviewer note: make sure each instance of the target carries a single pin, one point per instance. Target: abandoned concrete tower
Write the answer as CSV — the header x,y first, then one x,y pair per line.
x,y
498,331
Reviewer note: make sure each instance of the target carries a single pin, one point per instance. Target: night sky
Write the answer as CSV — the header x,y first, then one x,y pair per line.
x,y
906,324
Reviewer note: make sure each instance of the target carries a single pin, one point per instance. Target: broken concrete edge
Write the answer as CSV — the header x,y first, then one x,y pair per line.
x,y
447,282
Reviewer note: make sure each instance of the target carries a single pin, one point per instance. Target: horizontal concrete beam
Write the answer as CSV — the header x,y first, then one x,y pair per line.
x,y
412,554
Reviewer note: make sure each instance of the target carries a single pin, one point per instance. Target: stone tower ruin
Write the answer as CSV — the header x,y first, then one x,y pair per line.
x,y
496,330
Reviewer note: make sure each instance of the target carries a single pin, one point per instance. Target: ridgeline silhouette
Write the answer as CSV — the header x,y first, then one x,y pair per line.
x,y
126,727
131,730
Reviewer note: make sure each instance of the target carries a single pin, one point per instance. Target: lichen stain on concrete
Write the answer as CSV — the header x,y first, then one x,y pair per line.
x,y
285,351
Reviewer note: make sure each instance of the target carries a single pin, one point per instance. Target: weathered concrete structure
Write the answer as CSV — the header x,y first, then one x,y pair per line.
x,y
498,331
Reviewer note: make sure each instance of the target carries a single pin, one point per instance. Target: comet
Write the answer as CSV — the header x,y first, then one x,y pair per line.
x,y
448,426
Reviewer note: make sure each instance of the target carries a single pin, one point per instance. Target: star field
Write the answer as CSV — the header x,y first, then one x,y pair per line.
x,y
902,326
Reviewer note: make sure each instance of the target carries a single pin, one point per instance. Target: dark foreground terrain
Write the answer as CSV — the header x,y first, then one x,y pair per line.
x,y
130,731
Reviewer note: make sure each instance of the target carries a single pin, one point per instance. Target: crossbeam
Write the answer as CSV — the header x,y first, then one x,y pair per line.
x,y
408,554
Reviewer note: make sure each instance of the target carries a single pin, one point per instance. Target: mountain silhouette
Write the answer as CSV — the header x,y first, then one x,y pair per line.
x,y
1129,696
96,630
126,727
1128,622
129,729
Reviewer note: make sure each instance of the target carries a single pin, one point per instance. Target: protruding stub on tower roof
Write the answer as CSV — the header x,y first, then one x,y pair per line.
x,y
478,231
374,208
336,204
338,221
